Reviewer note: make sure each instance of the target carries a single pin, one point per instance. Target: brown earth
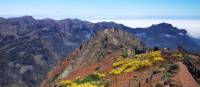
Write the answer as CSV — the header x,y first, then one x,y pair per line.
x,y
182,78
185,76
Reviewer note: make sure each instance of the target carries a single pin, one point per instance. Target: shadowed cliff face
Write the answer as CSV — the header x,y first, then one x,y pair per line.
x,y
29,48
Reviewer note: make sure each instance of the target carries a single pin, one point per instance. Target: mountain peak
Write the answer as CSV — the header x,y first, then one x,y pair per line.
x,y
27,17
116,37
23,20
164,25
106,41
166,28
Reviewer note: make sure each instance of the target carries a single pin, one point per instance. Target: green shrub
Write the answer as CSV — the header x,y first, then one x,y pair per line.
x,y
166,75
89,78
124,54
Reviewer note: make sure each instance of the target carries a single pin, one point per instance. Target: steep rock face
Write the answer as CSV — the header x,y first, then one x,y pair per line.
x,y
105,42
29,48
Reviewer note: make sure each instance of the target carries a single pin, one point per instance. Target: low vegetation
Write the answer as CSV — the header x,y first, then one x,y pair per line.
x,y
135,63
128,62
93,80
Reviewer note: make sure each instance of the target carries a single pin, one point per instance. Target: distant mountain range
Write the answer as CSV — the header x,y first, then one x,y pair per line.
x,y
29,48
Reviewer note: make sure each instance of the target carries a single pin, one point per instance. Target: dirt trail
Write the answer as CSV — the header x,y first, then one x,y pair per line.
x,y
185,76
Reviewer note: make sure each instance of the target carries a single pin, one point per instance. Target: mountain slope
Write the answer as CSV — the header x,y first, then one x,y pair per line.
x,y
29,48
99,62
197,40
166,36
106,42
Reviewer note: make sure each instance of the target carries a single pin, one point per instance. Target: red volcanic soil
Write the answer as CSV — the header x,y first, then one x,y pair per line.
x,y
104,66
133,79
124,79
58,69
185,76
55,72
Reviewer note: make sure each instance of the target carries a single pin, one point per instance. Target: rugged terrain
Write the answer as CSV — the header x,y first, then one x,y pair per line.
x,y
94,52
29,47
114,58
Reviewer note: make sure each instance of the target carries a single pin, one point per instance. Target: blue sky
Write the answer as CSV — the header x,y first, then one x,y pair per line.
x,y
185,9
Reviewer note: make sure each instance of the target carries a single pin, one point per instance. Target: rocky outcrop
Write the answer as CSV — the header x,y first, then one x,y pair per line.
x,y
105,42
